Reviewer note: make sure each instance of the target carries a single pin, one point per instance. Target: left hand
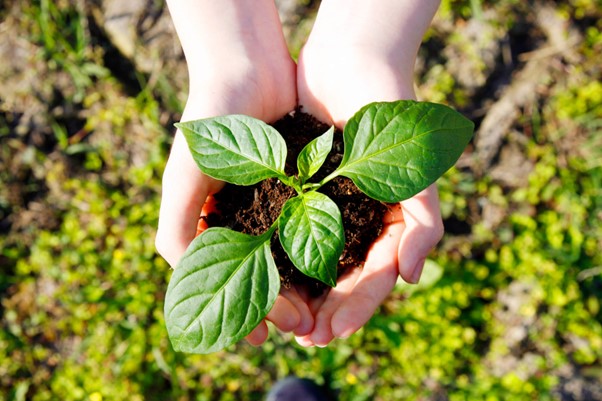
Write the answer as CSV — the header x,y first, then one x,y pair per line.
x,y
409,235
336,78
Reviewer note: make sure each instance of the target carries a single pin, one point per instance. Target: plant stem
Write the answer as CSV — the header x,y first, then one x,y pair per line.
x,y
311,186
329,177
270,232
291,182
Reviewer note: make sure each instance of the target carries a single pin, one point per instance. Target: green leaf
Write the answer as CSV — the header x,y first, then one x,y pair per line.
x,y
393,150
237,149
314,154
222,288
311,232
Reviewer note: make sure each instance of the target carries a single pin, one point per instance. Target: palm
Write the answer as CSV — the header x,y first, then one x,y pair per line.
x,y
333,85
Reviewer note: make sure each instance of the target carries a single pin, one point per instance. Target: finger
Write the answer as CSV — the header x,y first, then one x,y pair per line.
x,y
258,335
306,319
209,207
284,315
181,202
375,282
424,229
304,341
322,334
314,303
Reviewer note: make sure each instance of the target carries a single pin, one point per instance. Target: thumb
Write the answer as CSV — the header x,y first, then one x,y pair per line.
x,y
424,229
184,191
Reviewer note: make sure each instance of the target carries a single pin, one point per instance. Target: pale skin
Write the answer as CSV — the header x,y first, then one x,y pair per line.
x,y
358,52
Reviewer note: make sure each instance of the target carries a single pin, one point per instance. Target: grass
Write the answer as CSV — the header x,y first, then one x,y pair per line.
x,y
516,307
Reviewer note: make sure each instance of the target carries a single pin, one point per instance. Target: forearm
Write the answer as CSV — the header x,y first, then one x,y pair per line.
x,y
392,29
219,37
237,58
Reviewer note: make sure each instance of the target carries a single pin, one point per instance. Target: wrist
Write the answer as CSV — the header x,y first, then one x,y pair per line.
x,y
362,61
388,30
242,86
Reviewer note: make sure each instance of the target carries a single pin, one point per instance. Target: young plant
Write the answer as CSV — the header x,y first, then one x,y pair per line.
x,y
227,282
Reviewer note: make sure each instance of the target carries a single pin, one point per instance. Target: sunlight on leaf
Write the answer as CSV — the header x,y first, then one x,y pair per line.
x,y
236,148
393,150
222,288
311,233
314,154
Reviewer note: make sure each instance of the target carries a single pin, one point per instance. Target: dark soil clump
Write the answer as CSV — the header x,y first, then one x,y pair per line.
x,y
253,209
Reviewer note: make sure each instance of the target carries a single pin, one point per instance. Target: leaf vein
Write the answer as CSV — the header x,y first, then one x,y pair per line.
x,y
224,285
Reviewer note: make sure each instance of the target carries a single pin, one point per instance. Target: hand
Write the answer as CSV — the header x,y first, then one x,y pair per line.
x,y
238,63
357,54
409,234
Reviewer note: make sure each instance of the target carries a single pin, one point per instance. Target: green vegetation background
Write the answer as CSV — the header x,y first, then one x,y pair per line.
x,y
510,305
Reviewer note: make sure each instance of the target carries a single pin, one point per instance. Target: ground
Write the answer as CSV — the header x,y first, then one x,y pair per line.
x,y
509,307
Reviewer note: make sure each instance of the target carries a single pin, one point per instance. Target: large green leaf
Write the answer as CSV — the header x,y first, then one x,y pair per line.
x,y
393,150
311,232
236,148
222,288
314,154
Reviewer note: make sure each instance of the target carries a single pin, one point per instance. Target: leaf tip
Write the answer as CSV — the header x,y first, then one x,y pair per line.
x,y
332,282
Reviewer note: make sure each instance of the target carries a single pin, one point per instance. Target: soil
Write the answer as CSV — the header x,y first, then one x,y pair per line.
x,y
253,209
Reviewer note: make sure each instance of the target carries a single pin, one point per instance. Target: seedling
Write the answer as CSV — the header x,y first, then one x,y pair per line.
x,y
227,282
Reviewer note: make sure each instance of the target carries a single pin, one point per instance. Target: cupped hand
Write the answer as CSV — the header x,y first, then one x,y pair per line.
x,y
332,84
410,233
238,64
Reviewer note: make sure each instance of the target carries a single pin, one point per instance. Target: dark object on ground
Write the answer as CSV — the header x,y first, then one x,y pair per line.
x,y
296,389
253,209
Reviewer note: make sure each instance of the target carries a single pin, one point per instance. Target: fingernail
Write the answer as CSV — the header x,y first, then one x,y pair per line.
x,y
304,342
417,272
345,334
